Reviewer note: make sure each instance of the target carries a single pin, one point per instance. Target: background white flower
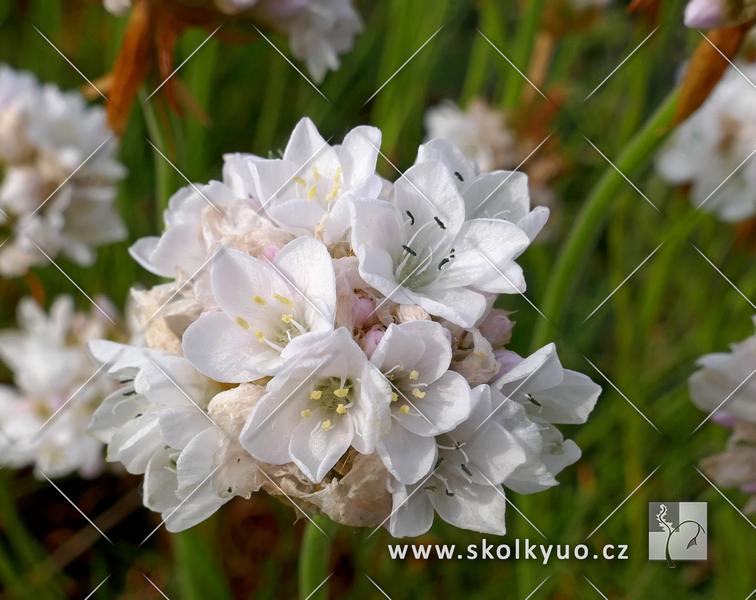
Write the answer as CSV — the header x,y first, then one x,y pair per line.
x,y
57,190
723,387
479,132
43,418
711,149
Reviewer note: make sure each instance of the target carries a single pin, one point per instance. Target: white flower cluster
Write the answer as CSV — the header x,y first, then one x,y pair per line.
x,y
57,176
44,417
727,376
329,337
319,31
480,132
712,150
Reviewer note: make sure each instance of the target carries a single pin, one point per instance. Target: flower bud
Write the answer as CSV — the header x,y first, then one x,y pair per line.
x,y
705,14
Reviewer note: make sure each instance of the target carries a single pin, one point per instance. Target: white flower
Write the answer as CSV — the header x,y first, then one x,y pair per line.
x,y
473,461
426,400
307,191
724,388
727,375
323,31
479,132
736,466
319,31
421,250
182,246
43,419
157,423
269,311
59,174
550,394
329,399
708,149
495,195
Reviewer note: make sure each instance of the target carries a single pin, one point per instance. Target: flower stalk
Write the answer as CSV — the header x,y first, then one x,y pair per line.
x,y
314,558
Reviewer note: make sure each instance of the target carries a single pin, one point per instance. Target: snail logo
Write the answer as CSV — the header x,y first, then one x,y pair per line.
x,y
677,531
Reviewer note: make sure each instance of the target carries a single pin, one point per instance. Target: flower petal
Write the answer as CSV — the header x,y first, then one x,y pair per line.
x,y
407,456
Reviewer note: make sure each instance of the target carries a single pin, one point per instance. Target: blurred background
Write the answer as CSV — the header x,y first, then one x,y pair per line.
x,y
644,339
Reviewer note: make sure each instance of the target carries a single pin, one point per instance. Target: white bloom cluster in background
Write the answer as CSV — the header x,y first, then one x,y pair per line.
x,y
44,416
329,337
727,376
319,31
479,131
713,149
57,176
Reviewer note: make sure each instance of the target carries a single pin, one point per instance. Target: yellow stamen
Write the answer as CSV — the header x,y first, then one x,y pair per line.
x,y
341,409
312,192
326,425
414,374
307,414
259,300
394,396
340,393
286,318
241,322
283,300
338,174
316,395
418,394
333,193
315,173
260,335
299,180
404,410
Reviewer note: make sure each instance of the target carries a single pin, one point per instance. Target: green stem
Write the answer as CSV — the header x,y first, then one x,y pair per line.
x,y
164,184
592,215
314,558
527,29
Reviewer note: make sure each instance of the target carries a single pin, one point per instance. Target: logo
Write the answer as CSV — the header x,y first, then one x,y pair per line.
x,y
677,531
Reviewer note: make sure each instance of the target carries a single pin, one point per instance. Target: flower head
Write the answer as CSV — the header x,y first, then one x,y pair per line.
x,y
58,176
43,417
327,352
711,149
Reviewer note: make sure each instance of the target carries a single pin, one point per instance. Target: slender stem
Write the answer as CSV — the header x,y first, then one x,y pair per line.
x,y
592,216
164,183
527,29
313,558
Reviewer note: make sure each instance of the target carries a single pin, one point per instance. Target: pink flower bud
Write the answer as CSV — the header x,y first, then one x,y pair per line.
x,y
705,14
508,361
270,252
363,311
723,418
371,340
497,328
